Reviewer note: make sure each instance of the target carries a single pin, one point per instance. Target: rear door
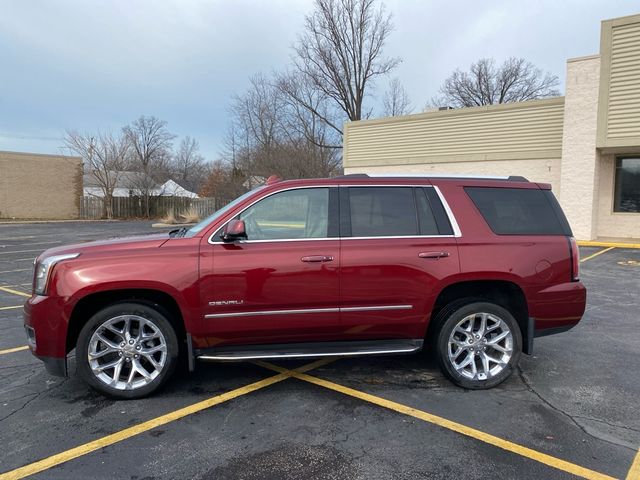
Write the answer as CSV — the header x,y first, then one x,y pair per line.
x,y
397,244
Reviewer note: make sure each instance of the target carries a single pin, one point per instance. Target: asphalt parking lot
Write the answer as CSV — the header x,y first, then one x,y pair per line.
x,y
572,411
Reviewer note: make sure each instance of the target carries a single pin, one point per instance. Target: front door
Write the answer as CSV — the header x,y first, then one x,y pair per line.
x,y
280,285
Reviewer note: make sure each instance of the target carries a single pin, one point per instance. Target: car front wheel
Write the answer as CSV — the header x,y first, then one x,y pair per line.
x,y
478,345
127,350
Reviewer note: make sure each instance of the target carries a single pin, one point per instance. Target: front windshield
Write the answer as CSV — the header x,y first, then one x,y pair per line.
x,y
203,223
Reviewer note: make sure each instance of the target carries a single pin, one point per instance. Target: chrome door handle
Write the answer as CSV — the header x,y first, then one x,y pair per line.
x,y
317,258
435,255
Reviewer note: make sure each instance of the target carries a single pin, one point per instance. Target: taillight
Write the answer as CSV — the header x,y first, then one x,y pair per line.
x,y
575,260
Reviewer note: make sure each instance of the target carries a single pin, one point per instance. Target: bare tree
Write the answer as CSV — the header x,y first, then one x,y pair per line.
x,y
396,101
188,166
151,144
272,133
104,156
339,55
516,80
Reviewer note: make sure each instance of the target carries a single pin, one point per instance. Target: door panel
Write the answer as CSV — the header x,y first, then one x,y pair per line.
x,y
281,284
394,253
390,277
265,292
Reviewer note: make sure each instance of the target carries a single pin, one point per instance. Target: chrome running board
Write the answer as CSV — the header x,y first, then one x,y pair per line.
x,y
310,350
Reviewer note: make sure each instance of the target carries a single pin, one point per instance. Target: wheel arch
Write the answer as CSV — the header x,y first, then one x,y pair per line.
x,y
90,304
505,293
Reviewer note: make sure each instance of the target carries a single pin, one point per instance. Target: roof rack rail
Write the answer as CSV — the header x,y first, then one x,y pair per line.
x,y
510,178
354,175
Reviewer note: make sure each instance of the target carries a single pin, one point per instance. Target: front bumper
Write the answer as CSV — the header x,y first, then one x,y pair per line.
x,y
46,331
55,366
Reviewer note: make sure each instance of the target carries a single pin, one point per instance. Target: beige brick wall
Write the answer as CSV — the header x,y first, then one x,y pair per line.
x,y
578,175
542,170
34,186
610,224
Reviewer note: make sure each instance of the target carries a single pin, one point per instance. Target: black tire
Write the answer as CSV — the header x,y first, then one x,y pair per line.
x,y
156,318
450,316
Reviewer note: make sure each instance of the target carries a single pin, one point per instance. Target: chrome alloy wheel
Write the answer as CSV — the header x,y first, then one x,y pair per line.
x,y
127,352
480,346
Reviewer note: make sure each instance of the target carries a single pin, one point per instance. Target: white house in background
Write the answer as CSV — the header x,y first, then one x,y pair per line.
x,y
172,189
133,184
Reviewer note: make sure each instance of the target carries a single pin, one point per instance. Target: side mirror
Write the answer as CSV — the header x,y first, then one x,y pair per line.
x,y
235,230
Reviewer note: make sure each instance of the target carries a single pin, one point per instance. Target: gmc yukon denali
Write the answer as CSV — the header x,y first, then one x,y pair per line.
x,y
472,269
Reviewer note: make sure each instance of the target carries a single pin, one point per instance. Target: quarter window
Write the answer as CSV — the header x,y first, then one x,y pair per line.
x,y
519,211
627,190
292,214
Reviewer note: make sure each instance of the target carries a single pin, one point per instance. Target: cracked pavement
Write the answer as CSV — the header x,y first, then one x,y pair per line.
x,y
575,399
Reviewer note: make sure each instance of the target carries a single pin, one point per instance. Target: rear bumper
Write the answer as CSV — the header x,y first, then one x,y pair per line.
x,y
557,308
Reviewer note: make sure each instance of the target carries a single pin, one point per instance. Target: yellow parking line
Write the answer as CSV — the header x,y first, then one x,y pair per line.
x,y
596,254
634,471
15,292
450,425
11,308
588,243
89,447
12,350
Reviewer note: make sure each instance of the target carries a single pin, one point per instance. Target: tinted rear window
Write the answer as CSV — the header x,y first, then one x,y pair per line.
x,y
519,211
382,211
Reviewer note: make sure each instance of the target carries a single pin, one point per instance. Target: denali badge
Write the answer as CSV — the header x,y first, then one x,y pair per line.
x,y
219,303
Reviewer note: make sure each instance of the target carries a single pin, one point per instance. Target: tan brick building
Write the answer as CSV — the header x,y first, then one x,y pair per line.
x,y
586,144
35,186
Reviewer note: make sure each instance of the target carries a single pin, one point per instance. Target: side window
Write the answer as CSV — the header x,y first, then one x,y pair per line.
x,y
519,211
382,211
428,225
292,214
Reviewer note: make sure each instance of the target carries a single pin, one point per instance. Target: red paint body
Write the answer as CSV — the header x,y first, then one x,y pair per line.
x,y
271,276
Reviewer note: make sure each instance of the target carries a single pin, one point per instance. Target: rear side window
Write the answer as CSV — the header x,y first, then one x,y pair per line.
x,y
382,211
519,211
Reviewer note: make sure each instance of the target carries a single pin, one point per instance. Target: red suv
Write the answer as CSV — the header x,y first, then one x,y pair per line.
x,y
355,265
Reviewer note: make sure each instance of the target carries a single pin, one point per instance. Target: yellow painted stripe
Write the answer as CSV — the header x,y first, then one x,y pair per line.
x,y
634,471
11,308
596,254
588,243
450,425
12,350
89,447
15,292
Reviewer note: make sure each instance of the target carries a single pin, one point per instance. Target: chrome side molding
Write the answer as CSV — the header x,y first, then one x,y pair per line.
x,y
309,310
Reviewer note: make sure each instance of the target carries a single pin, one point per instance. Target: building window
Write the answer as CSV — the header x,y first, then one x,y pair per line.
x,y
627,188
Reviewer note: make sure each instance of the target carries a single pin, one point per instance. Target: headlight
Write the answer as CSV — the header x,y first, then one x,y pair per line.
x,y
43,269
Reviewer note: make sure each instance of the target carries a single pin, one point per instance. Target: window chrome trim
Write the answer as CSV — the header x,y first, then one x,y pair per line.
x,y
309,310
212,242
452,219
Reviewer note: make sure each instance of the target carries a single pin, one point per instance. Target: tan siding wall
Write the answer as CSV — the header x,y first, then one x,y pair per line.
x,y
619,123
610,224
39,186
542,170
527,130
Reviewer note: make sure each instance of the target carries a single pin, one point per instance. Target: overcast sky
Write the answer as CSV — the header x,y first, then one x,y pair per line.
x,y
90,65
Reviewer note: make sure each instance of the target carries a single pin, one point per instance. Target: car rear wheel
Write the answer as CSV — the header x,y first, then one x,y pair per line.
x,y
127,350
478,344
